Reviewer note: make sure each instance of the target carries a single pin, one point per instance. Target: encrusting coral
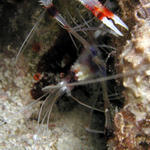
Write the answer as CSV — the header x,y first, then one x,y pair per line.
x,y
132,122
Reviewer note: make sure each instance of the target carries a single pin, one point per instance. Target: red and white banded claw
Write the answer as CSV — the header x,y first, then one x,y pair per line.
x,y
104,14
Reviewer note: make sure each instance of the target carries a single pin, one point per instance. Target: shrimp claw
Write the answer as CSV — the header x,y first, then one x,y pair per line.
x,y
104,14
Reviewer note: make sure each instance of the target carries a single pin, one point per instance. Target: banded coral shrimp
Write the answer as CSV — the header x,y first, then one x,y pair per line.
x,y
102,13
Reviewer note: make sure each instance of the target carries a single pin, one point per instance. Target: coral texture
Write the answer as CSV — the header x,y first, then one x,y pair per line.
x,y
132,122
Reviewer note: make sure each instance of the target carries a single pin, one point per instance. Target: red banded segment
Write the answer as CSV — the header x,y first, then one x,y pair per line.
x,y
100,12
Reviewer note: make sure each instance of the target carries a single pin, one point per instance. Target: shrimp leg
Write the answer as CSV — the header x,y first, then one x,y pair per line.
x,y
107,105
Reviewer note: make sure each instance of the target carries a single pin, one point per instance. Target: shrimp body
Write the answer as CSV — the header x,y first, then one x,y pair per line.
x,y
102,13
87,65
84,67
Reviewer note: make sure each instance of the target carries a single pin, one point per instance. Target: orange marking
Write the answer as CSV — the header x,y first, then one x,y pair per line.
x,y
76,71
37,76
100,12
108,13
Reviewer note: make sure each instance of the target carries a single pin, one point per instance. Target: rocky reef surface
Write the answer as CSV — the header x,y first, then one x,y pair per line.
x,y
132,122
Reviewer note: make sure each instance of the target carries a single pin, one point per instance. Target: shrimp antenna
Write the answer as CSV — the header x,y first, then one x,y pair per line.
x,y
101,79
85,105
29,36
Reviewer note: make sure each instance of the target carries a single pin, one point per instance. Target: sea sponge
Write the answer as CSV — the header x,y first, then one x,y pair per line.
x,y
132,122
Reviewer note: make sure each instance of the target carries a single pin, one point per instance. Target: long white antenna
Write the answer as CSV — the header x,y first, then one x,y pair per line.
x,y
28,36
